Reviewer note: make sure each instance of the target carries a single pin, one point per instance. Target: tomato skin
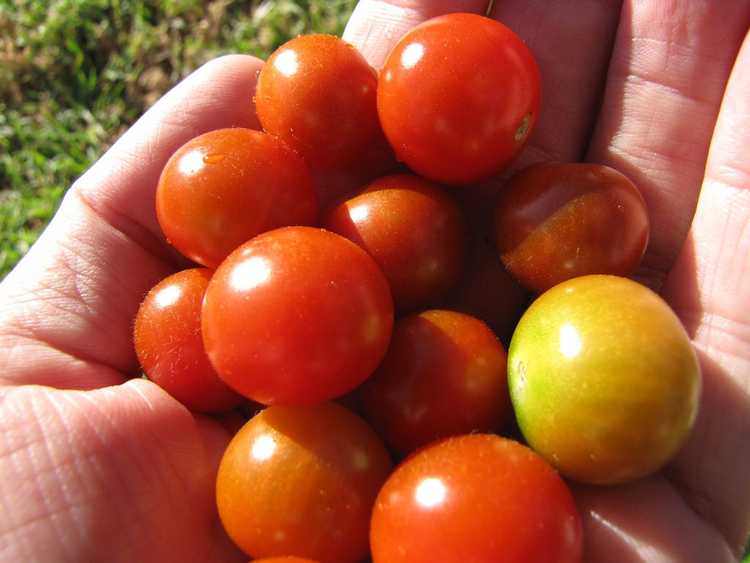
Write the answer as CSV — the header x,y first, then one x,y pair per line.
x,y
222,188
476,497
317,93
290,559
302,481
444,374
169,347
556,221
296,316
412,229
458,97
603,378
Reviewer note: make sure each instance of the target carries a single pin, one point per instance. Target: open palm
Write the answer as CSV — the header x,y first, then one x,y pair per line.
x,y
95,469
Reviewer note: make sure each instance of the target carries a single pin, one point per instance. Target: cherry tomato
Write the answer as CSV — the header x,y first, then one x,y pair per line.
x,y
557,221
297,315
444,374
302,481
603,378
477,497
224,187
318,94
168,343
458,98
412,229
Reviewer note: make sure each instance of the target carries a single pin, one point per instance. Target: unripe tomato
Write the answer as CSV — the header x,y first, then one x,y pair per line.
x,y
603,378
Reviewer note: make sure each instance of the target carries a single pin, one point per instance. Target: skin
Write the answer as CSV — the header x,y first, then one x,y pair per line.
x,y
95,466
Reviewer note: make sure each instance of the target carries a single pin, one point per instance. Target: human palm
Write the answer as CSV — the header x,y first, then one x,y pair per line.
x,y
97,466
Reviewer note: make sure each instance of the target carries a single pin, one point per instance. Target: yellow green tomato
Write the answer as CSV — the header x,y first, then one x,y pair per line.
x,y
604,381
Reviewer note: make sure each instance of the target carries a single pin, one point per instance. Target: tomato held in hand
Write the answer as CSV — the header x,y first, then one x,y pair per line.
x,y
224,187
318,94
458,98
557,221
296,316
444,374
603,378
412,229
168,343
302,481
477,497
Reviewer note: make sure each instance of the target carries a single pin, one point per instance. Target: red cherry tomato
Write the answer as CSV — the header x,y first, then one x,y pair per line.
x,y
224,187
557,221
458,97
444,374
478,497
302,481
169,347
412,229
296,316
318,94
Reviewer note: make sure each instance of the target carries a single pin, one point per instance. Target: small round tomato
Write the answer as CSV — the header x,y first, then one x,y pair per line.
x,y
318,94
168,343
444,374
302,481
604,381
556,221
412,229
477,497
296,316
458,98
224,187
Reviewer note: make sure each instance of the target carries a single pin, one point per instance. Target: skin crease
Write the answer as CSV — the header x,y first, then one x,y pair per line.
x,y
167,340
91,468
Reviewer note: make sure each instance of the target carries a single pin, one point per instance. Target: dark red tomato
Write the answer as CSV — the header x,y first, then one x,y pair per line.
x,y
458,98
487,291
557,221
296,316
477,497
169,346
318,94
224,187
412,229
444,375
302,481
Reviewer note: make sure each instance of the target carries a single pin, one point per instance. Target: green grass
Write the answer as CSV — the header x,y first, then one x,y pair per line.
x,y
74,74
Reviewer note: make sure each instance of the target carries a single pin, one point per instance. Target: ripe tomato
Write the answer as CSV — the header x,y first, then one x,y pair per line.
x,y
477,497
226,186
412,229
458,98
318,94
168,343
444,374
603,378
297,315
302,481
557,221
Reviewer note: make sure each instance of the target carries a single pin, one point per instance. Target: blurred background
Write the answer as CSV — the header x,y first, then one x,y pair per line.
x,y
74,74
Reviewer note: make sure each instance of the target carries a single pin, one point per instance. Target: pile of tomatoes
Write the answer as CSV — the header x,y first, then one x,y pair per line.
x,y
371,348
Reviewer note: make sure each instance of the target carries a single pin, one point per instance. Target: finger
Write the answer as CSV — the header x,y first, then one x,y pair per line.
x,y
571,42
646,521
376,25
667,74
710,290
66,311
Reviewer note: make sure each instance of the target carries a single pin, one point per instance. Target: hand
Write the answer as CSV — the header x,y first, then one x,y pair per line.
x,y
97,466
